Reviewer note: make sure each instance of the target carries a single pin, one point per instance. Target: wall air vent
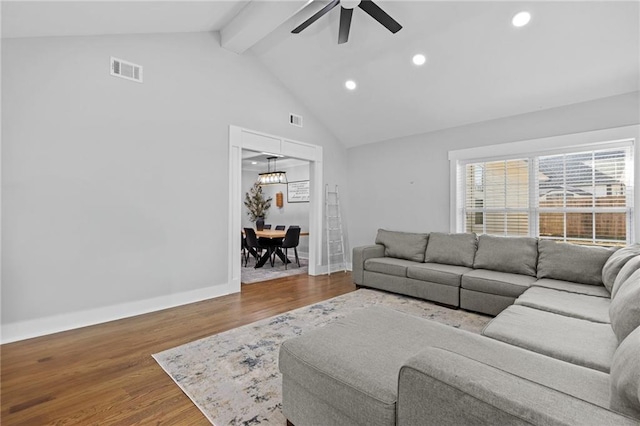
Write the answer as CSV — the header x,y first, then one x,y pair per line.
x,y
295,120
124,69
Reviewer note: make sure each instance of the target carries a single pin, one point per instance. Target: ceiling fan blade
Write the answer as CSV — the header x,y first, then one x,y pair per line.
x,y
380,15
345,25
315,17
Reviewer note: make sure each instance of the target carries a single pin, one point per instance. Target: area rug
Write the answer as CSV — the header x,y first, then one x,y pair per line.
x,y
249,274
233,377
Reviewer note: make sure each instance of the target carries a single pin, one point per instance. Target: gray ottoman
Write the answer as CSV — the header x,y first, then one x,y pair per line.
x,y
346,373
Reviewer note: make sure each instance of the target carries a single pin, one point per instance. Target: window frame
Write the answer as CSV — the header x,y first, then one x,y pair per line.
x,y
571,143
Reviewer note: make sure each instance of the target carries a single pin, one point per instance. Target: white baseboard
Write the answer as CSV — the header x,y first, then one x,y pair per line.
x,y
53,324
335,268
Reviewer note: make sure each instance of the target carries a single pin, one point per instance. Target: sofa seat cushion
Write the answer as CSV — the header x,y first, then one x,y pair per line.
x,y
438,273
590,308
591,290
572,262
574,340
388,265
403,245
493,282
517,255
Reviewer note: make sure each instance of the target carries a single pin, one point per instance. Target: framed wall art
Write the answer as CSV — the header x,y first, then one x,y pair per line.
x,y
298,192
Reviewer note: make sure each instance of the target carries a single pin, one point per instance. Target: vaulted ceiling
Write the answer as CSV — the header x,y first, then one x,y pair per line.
x,y
479,66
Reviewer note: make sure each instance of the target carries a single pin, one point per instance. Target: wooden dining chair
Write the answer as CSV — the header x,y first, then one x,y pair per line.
x,y
291,240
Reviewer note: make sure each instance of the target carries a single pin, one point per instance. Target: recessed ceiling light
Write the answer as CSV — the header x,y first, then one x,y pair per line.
x,y
521,19
254,162
419,59
350,84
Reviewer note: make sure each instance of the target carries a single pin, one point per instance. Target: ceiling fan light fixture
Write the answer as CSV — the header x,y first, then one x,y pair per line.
x,y
350,85
521,19
419,59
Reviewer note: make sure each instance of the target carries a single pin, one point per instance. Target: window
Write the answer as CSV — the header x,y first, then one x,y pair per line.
x,y
497,197
584,196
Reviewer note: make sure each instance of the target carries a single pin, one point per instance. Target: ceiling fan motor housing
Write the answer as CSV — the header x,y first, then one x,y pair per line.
x,y
349,4
346,11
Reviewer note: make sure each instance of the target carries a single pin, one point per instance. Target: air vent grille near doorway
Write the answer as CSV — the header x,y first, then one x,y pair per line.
x,y
295,120
127,70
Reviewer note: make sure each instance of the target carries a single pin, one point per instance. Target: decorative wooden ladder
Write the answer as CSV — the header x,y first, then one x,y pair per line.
x,y
335,236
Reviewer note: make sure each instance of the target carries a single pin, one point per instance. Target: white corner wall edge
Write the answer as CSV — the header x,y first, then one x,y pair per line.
x,y
22,330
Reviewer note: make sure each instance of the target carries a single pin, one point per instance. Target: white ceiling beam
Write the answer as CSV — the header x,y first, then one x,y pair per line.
x,y
255,21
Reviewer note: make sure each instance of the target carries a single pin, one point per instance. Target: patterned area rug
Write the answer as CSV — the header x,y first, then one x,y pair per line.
x,y
249,274
233,377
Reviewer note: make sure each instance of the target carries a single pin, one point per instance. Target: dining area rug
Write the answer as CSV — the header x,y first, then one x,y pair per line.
x,y
233,377
249,274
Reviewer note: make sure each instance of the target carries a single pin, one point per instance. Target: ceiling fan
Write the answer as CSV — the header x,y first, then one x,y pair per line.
x,y
346,11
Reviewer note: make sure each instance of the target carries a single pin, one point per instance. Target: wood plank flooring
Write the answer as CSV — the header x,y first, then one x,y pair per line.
x,y
105,375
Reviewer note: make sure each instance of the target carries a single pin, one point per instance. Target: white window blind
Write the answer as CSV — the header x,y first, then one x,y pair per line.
x,y
497,197
584,197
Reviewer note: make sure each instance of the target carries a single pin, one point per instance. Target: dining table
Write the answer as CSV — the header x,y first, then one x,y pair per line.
x,y
273,234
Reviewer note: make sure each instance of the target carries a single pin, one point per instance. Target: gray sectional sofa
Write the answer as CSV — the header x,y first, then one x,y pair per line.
x,y
563,349
484,274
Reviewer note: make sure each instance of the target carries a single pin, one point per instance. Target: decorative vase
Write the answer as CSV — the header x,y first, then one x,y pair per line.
x,y
260,223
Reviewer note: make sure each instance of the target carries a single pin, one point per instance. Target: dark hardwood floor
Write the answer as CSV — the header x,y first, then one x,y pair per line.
x,y
104,374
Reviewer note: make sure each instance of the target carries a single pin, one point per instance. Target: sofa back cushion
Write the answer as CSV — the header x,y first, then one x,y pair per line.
x,y
403,245
624,310
451,249
625,376
615,263
571,262
517,255
627,270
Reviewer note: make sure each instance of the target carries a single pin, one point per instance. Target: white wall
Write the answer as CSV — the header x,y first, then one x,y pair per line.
x,y
114,193
290,213
403,184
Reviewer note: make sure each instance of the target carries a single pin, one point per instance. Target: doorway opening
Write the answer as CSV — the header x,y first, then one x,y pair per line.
x,y
241,140
288,208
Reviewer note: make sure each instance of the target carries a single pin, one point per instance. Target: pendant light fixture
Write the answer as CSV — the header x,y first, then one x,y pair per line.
x,y
272,177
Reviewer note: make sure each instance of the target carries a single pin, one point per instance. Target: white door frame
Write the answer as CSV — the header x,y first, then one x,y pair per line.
x,y
239,139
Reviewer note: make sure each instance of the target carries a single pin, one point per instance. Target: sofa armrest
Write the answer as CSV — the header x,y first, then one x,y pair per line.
x,y
440,387
360,254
